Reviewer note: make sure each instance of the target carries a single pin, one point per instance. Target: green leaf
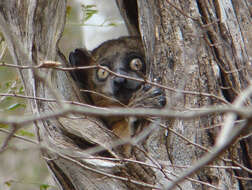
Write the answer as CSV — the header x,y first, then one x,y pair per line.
x,y
21,90
68,10
88,11
8,183
8,84
89,6
9,98
15,106
25,133
44,186
112,24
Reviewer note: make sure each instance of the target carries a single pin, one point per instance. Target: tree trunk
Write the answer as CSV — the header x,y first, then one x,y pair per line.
x,y
202,52
202,47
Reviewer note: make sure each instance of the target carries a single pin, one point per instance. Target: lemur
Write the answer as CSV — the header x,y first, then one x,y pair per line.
x,y
123,56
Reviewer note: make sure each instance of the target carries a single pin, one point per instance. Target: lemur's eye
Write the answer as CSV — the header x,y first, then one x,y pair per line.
x,y
102,74
136,64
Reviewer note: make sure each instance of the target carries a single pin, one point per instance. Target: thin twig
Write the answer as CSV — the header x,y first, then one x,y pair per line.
x,y
106,174
47,66
8,138
182,12
14,83
3,51
164,87
241,166
19,137
243,178
123,76
47,100
137,112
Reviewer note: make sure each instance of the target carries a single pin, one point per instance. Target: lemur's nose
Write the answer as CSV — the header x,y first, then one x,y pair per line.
x,y
119,81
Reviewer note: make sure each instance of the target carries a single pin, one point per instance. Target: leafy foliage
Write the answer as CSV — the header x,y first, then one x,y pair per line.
x,y
88,11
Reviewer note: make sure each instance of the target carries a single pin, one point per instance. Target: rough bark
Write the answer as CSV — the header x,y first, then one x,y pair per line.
x,y
190,41
185,42
32,30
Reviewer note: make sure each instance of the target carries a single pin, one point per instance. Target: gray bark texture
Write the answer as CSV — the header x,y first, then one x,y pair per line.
x,y
201,50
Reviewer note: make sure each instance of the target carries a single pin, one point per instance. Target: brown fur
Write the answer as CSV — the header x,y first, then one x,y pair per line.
x,y
116,91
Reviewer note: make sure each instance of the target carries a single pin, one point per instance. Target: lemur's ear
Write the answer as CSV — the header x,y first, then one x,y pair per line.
x,y
80,58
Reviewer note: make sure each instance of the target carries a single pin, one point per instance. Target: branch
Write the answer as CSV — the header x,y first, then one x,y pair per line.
x,y
137,112
107,174
8,138
54,65
19,137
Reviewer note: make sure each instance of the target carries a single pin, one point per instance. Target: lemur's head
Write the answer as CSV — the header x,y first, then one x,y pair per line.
x,y
123,56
